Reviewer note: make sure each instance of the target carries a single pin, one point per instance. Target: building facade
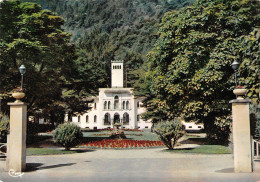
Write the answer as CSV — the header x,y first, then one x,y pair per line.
x,y
114,105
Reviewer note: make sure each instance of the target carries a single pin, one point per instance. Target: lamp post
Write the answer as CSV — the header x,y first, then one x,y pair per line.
x,y
235,66
22,70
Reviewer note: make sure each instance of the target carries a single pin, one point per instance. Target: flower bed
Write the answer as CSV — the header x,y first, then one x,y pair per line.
x,y
111,129
108,134
123,144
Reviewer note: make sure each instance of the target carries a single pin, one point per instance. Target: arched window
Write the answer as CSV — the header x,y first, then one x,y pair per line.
x,y
95,106
123,105
116,118
126,119
86,118
107,119
105,105
95,119
116,102
138,104
127,105
79,119
109,105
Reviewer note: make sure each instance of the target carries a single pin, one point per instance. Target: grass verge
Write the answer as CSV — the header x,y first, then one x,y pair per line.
x,y
47,151
204,149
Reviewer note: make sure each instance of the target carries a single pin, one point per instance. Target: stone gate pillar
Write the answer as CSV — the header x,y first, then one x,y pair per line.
x,y
241,135
16,144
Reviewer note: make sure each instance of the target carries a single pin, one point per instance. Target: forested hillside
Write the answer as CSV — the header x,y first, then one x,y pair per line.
x,y
105,30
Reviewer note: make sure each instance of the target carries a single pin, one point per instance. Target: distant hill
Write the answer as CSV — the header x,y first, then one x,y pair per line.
x,y
82,16
111,29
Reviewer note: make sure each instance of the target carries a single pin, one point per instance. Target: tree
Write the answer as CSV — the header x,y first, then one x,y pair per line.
x,y
107,30
169,132
190,63
68,135
34,37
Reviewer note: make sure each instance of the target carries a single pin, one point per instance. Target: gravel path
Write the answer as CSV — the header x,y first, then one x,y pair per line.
x,y
131,166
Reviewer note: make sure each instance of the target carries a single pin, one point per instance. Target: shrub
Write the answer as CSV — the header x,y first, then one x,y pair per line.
x,y
68,135
31,132
255,120
4,127
169,132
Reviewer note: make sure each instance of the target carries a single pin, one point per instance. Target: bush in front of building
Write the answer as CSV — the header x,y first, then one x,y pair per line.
x,y
4,127
68,135
169,132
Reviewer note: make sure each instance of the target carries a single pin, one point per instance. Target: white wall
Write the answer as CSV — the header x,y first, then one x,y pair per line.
x,y
191,126
141,124
108,94
117,78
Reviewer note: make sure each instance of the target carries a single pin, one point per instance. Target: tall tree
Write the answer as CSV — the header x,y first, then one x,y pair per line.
x,y
190,63
106,30
33,37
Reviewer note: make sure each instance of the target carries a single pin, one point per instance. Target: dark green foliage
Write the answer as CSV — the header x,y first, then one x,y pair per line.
x,y
255,120
68,135
33,37
4,127
190,72
169,132
110,29
31,132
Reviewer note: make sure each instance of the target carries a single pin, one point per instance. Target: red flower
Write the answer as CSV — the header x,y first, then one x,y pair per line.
x,y
18,89
240,87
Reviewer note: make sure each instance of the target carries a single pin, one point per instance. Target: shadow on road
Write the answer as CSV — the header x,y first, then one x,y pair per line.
x,y
30,167
227,170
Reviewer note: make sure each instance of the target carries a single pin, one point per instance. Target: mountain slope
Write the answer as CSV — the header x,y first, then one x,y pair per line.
x,y
105,30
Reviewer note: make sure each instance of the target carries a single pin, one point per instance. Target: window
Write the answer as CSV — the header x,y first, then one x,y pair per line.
x,y
105,105
190,126
116,102
107,120
95,106
79,119
116,118
138,104
138,117
86,118
95,119
108,105
199,126
127,105
126,119
123,105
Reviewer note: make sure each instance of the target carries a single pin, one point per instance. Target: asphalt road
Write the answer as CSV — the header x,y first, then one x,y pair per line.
x,y
144,165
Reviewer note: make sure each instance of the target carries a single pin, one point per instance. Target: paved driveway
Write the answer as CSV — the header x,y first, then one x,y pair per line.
x,y
131,166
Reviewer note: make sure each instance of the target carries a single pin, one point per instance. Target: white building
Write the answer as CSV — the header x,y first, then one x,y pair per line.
x,y
114,105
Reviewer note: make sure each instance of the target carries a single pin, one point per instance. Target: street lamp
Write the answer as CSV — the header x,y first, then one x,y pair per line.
x,y
22,70
235,66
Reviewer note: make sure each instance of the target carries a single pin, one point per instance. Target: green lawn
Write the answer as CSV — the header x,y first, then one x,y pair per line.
x,y
134,135
47,151
204,149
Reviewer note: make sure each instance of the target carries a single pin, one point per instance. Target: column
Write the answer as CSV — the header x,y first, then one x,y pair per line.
x,y
241,136
16,151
